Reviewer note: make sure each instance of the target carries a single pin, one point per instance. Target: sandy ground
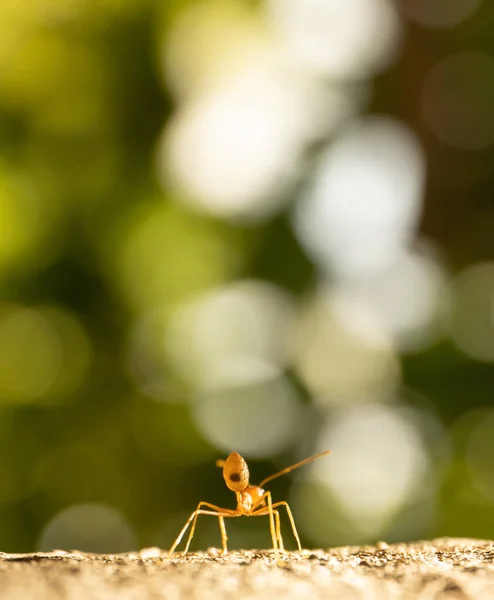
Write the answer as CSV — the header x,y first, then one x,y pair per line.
x,y
441,569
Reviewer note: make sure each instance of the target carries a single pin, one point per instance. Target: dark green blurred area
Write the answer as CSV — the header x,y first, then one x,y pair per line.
x,y
89,240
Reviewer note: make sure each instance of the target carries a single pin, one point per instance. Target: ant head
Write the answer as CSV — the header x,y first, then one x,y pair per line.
x,y
236,472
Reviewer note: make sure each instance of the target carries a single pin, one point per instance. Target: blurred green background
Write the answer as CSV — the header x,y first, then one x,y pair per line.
x,y
256,226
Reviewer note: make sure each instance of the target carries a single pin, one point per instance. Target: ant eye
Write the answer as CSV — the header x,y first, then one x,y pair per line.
x,y
235,477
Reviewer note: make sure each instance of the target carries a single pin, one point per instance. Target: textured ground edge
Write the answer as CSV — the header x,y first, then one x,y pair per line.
x,y
438,569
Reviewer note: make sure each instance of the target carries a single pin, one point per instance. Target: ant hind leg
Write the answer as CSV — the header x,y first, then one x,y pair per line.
x,y
278,530
292,522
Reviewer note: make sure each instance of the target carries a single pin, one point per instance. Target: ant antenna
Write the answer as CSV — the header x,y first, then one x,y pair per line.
x,y
292,468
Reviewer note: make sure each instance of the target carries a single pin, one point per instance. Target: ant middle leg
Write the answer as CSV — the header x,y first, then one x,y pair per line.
x,y
268,510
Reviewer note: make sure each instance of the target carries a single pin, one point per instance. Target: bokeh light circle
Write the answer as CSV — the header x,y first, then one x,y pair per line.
x,y
257,414
479,455
472,314
329,38
43,351
457,100
365,200
377,466
379,472
342,352
161,254
245,320
24,221
438,14
409,298
88,528
226,36
235,150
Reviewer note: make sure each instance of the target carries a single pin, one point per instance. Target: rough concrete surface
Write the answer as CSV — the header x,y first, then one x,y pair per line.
x,y
441,569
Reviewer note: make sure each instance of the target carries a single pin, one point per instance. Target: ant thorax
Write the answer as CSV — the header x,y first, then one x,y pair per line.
x,y
252,497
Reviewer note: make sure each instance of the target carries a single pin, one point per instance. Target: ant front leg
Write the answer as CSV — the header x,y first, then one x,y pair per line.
x,y
220,513
224,537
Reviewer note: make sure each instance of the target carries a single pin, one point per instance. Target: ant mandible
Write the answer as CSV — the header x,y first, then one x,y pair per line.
x,y
252,501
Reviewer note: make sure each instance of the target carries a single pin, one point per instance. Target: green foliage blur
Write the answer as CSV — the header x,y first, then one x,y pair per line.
x,y
90,239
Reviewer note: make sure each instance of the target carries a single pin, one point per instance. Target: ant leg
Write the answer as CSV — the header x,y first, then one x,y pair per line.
x,y
278,530
192,531
264,511
224,537
290,516
193,516
272,529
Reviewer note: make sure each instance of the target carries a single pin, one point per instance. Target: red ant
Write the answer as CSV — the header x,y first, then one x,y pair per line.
x,y
252,501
